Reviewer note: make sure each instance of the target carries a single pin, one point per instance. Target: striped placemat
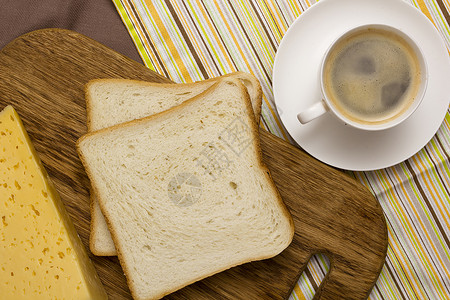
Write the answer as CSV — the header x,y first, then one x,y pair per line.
x,y
193,40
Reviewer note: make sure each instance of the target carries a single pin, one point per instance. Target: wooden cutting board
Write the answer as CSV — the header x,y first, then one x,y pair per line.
x,y
42,74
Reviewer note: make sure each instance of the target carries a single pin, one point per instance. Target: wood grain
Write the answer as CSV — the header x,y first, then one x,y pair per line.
x,y
42,74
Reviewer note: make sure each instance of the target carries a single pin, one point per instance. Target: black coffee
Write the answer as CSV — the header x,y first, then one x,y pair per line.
x,y
372,76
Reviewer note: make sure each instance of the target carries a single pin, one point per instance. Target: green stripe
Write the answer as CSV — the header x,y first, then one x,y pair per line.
x,y
137,41
161,38
178,39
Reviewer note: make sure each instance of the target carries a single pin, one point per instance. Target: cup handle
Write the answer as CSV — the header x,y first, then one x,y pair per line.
x,y
314,111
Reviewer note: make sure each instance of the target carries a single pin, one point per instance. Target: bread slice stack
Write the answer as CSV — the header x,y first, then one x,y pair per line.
x,y
113,101
184,192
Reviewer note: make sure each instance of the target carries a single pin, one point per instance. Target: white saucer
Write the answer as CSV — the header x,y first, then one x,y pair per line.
x,y
296,84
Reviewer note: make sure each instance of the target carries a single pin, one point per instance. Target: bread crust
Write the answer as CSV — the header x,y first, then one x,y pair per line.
x,y
174,110
93,246
239,75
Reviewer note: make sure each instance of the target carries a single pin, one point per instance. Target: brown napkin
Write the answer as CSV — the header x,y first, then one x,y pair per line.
x,y
97,19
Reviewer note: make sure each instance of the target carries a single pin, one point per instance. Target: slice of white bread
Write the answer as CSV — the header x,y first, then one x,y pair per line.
x,y
114,101
185,193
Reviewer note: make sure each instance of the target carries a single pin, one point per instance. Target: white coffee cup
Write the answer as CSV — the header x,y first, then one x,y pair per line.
x,y
372,77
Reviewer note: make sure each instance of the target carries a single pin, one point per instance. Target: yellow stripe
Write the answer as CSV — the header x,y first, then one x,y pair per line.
x,y
214,32
167,40
423,7
308,3
281,27
135,37
193,40
438,200
400,212
440,158
295,7
417,241
299,292
266,101
404,259
425,171
447,4
146,45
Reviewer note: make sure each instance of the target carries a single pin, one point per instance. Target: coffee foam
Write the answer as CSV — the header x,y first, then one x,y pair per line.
x,y
372,76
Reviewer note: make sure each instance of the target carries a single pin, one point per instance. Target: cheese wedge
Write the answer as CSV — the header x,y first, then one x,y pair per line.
x,y
41,255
